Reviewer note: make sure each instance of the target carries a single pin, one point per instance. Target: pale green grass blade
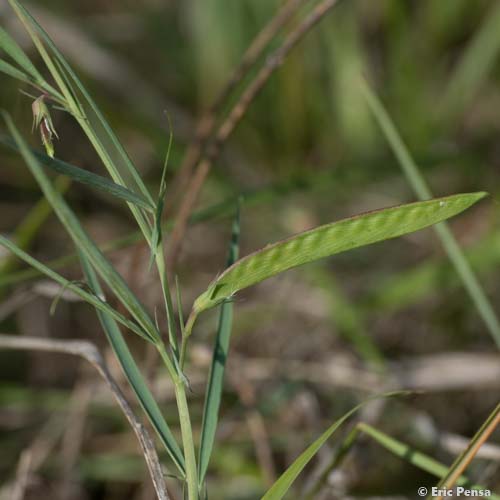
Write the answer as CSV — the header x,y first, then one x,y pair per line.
x,y
279,489
133,374
216,377
27,72
465,458
81,239
328,240
12,71
414,457
10,46
85,177
83,294
419,185
158,255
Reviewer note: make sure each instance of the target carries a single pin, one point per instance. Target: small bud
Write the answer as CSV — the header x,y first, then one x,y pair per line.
x,y
43,121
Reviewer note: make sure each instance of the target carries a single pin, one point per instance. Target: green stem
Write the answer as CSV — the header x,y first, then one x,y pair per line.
x,y
187,440
185,420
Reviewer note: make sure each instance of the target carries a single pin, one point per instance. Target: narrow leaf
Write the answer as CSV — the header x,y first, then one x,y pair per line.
x,y
328,240
414,457
11,47
93,300
133,374
85,177
285,481
82,240
216,377
12,71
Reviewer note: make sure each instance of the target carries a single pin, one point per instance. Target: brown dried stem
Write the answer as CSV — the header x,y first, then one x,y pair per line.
x,y
273,62
208,121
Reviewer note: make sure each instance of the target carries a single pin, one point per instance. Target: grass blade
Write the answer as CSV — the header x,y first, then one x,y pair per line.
x,y
450,244
328,240
402,450
285,481
12,71
133,374
82,240
414,457
83,294
216,377
10,46
85,177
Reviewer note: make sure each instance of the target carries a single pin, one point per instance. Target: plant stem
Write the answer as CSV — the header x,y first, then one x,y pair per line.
x,y
186,429
187,440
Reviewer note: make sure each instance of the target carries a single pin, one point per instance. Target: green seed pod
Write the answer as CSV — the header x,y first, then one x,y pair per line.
x,y
327,240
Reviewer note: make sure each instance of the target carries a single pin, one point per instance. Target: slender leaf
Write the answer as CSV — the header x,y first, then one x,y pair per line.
x,y
414,457
93,300
81,238
422,190
11,47
133,374
216,377
285,481
12,71
85,177
158,255
328,240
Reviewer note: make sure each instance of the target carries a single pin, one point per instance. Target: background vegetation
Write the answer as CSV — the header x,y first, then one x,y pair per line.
x,y
313,342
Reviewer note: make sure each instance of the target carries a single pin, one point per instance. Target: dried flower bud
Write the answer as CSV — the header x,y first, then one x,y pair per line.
x,y
43,121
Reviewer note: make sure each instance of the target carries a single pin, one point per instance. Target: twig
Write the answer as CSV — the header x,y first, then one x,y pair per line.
x,y
207,122
273,62
89,351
